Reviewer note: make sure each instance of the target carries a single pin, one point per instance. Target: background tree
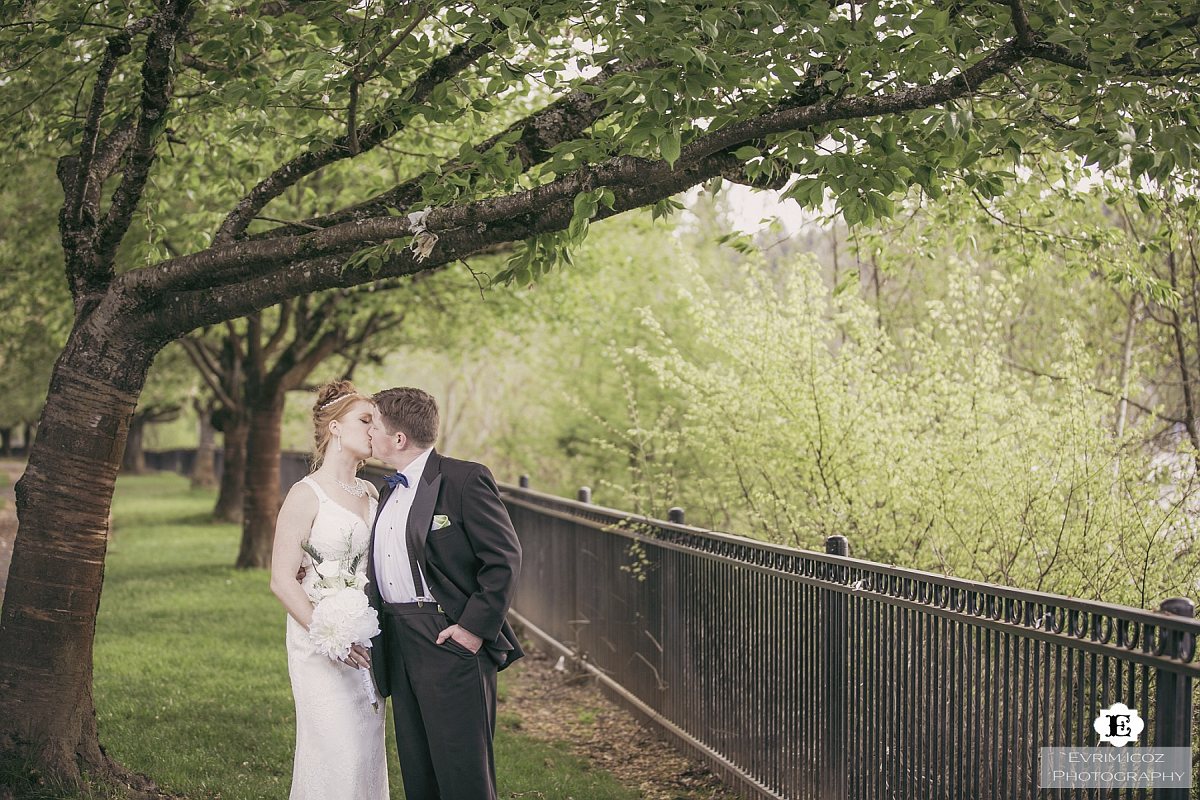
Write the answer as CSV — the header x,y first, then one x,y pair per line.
x,y
204,469
170,385
603,108
252,368
36,305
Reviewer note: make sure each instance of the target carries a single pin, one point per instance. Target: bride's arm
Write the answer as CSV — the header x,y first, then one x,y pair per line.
x,y
291,530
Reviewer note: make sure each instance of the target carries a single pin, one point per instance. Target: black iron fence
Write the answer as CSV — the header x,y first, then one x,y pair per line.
x,y
293,465
807,675
797,674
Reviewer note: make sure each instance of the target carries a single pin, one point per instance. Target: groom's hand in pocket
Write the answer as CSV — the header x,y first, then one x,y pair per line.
x,y
461,635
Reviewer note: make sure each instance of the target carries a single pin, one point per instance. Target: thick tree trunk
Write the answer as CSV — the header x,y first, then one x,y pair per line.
x,y
262,481
204,470
134,460
231,495
47,717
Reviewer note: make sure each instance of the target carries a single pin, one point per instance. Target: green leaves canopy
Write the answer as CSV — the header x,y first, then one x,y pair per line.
x,y
498,115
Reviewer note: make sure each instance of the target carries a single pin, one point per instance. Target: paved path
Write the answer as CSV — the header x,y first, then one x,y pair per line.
x,y
11,470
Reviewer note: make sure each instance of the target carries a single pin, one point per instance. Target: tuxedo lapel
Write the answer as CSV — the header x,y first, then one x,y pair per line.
x,y
420,517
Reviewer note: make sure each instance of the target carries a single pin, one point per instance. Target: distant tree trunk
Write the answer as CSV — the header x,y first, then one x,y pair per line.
x,y
1131,323
29,436
54,582
204,470
134,461
261,506
231,495
1178,326
6,442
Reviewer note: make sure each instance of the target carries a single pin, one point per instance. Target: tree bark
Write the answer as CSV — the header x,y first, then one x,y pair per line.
x,y
204,470
1131,323
231,495
262,500
134,460
47,716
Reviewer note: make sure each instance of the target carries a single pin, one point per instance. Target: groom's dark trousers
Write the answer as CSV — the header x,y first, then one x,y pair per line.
x,y
443,696
444,705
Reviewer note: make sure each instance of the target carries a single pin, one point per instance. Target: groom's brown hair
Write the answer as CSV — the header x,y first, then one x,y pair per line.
x,y
410,411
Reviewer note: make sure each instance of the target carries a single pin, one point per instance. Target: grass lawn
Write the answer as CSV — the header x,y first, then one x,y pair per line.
x,y
191,675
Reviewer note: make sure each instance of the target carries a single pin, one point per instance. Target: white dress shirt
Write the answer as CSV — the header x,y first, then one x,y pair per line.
x,y
391,551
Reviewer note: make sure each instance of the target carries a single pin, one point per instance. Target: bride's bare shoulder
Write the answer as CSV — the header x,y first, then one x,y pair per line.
x,y
301,498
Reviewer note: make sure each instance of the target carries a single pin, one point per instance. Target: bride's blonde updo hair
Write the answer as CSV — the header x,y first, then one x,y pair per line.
x,y
333,400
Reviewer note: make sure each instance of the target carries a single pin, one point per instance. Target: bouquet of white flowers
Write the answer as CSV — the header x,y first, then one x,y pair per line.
x,y
342,616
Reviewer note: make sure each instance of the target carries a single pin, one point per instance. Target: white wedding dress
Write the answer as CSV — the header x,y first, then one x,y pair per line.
x,y
339,736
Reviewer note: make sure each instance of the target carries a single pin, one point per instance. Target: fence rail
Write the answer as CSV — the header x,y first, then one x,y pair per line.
x,y
814,675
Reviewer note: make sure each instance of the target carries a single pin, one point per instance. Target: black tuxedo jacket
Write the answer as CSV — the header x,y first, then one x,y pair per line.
x,y
471,565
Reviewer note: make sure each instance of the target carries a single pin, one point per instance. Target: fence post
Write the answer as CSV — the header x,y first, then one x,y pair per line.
x,y
1173,693
523,481
837,545
675,515
834,623
585,494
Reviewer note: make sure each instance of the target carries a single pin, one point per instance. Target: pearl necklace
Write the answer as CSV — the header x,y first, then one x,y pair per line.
x,y
355,489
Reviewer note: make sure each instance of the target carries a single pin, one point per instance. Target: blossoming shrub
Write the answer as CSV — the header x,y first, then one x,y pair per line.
x,y
796,417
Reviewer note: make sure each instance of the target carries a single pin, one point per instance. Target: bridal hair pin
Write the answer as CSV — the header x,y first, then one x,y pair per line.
x,y
324,406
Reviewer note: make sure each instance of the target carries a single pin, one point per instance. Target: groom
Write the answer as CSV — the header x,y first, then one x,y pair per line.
x,y
443,566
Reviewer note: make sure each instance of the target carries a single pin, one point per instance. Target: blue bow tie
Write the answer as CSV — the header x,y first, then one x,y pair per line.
x,y
394,479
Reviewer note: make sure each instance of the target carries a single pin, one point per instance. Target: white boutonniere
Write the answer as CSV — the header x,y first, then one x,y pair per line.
x,y
440,521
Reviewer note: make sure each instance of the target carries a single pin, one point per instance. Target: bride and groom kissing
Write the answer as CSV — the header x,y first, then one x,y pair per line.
x,y
438,558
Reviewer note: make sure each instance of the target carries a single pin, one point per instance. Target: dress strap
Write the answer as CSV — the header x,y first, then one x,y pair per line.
x,y
316,487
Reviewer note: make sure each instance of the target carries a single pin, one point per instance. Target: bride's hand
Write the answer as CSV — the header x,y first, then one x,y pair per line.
x,y
359,657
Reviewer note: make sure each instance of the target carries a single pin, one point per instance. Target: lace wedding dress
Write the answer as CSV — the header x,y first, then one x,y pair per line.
x,y
339,736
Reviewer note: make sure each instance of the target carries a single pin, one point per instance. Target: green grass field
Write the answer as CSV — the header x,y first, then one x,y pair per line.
x,y
190,671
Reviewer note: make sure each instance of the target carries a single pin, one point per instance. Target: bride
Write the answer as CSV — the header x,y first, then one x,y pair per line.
x,y
339,733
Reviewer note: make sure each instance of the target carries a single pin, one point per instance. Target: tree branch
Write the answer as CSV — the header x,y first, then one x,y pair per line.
x,y
241,277
292,279
198,353
223,263
1167,31
370,136
168,25
109,154
1020,16
561,121
1106,392
255,358
285,318
1058,54
119,45
291,372
361,74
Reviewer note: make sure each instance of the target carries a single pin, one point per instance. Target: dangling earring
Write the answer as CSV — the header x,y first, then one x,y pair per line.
x,y
339,443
